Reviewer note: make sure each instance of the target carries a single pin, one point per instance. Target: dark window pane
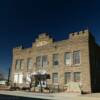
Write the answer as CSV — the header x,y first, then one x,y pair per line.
x,y
55,59
76,57
77,76
67,77
55,77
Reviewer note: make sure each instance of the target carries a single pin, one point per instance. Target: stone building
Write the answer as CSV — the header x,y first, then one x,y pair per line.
x,y
75,59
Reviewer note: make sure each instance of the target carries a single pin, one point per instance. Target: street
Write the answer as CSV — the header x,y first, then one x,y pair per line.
x,y
9,97
22,95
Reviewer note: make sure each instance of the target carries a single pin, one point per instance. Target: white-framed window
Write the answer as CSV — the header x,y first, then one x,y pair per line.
x,y
76,57
43,83
67,58
18,78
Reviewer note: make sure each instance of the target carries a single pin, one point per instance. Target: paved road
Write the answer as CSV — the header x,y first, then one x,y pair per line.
x,y
8,97
21,95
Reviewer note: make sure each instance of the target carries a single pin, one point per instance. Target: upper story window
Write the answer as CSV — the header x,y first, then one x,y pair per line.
x,y
39,61
22,64
77,76
67,58
55,59
29,63
76,57
18,65
44,61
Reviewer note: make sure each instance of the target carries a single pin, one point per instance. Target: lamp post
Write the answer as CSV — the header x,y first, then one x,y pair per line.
x,y
8,81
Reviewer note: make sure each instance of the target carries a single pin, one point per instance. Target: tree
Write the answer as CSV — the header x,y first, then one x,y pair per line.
x,y
41,77
8,81
1,76
37,78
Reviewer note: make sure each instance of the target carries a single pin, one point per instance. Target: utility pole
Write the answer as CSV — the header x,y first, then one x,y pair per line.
x,y
8,82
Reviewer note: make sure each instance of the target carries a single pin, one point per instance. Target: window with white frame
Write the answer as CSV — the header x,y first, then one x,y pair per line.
x,y
15,78
76,57
18,78
67,58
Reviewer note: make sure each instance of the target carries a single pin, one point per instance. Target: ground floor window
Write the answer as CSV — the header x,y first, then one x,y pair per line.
x,y
77,76
67,77
18,78
43,83
72,76
55,78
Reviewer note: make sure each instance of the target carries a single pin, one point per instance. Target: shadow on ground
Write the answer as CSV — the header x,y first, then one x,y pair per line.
x,y
7,97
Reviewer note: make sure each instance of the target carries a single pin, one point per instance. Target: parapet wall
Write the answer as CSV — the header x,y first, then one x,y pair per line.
x,y
44,39
79,34
17,49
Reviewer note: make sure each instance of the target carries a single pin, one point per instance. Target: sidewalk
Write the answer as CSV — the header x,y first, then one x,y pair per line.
x,y
53,96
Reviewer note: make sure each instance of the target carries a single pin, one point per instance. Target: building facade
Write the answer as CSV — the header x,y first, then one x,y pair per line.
x,y
75,59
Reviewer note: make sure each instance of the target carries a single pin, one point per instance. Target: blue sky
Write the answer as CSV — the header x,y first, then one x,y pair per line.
x,y
22,20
